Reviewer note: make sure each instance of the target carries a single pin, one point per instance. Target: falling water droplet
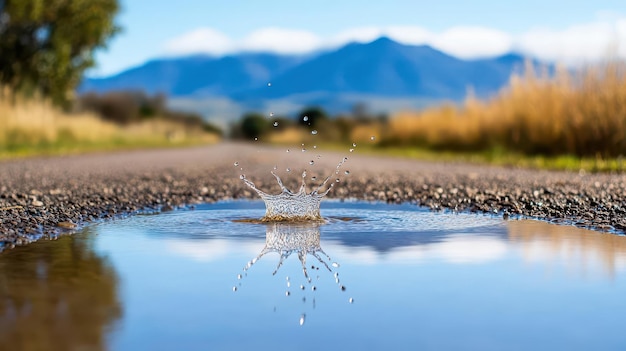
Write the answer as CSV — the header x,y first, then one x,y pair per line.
x,y
275,167
372,138
302,317
275,123
337,180
303,150
288,284
335,264
255,138
314,132
287,150
336,274
236,164
288,170
347,172
234,288
301,287
311,162
351,150
243,176
238,276
287,293
353,144
343,288
313,288
305,118
315,146
313,178
271,114
269,84
350,300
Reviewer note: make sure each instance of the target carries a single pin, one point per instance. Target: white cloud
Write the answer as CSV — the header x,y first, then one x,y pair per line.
x,y
576,44
586,42
472,42
284,41
201,40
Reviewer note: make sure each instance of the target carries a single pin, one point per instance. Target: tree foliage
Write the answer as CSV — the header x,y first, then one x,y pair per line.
x,y
46,45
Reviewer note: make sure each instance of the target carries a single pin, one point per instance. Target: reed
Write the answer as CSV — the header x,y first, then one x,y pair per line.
x,y
581,113
35,126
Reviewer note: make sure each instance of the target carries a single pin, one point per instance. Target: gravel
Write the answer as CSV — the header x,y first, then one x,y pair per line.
x,y
46,197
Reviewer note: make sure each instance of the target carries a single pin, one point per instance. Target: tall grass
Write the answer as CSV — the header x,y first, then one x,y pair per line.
x,y
35,126
580,113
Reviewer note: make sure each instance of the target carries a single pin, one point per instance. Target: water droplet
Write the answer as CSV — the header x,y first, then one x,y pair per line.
x,y
255,138
315,146
269,84
314,132
236,164
301,287
353,144
275,123
335,264
234,288
311,162
337,180
243,176
287,293
287,278
238,276
287,150
336,274
288,170
288,284
351,150
271,114
305,118
303,150
372,138
313,288
343,288
350,300
347,172
313,178
302,317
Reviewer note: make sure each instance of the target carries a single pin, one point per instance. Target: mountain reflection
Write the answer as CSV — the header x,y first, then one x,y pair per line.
x,y
57,295
583,251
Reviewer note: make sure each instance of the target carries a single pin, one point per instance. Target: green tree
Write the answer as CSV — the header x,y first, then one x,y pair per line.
x,y
46,45
254,125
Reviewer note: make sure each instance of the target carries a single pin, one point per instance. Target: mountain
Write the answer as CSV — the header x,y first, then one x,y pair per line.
x,y
382,70
197,75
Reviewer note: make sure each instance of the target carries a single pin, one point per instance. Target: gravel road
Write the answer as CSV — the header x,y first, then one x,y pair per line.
x,y
45,197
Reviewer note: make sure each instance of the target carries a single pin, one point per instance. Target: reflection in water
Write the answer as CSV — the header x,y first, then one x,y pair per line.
x,y
580,249
57,295
302,239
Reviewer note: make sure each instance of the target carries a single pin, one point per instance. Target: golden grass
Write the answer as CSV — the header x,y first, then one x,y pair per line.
x,y
35,126
581,113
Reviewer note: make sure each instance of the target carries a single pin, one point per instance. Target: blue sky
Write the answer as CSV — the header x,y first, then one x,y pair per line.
x,y
568,31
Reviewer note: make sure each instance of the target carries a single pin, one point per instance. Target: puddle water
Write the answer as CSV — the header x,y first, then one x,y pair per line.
x,y
373,276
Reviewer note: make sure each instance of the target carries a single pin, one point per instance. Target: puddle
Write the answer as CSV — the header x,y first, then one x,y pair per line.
x,y
371,276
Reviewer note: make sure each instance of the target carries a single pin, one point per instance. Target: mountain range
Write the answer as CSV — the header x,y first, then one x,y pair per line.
x,y
382,72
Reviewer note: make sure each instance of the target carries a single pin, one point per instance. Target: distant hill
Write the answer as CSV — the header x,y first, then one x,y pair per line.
x,y
383,71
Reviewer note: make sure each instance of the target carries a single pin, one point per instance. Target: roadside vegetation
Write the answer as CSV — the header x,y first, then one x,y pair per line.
x,y
45,50
35,126
564,119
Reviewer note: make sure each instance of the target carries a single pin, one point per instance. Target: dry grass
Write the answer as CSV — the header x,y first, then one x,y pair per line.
x,y
581,113
35,126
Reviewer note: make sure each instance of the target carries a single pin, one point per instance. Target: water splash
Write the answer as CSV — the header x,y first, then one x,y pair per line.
x,y
297,206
